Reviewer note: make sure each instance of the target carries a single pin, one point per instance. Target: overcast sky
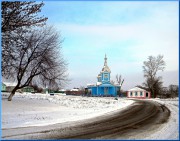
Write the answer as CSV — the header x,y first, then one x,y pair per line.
x,y
127,32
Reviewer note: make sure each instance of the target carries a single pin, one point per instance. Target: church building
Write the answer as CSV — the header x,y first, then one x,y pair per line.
x,y
104,87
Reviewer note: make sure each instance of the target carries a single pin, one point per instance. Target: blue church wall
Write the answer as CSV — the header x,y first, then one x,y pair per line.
x,y
94,90
104,90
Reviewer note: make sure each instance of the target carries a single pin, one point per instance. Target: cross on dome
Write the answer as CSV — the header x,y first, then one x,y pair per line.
x,y
105,67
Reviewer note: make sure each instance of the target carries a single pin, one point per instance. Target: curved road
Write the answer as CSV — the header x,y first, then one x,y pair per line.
x,y
141,117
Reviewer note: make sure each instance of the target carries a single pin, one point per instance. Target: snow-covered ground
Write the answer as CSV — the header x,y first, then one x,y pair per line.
x,y
169,130
43,109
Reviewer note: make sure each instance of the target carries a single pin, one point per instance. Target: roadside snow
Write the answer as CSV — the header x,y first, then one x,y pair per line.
x,y
170,130
42,109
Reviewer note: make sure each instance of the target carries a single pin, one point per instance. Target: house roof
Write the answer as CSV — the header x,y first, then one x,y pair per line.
x,y
74,90
10,83
62,90
90,84
3,84
136,89
98,83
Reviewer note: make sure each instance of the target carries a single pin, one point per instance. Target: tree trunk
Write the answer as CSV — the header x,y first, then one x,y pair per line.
x,y
12,94
152,88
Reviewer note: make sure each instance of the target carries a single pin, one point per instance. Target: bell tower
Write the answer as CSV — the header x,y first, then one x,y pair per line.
x,y
105,73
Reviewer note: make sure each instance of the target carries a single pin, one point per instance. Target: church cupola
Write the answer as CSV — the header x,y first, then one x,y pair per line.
x,y
105,67
99,77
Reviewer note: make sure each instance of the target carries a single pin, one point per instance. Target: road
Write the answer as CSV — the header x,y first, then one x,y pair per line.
x,y
134,122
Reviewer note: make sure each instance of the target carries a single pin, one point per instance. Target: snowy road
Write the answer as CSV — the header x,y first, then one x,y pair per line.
x,y
141,117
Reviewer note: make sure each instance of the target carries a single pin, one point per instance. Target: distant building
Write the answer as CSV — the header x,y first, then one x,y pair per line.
x,y
137,92
3,87
76,92
9,86
74,89
28,89
103,87
62,91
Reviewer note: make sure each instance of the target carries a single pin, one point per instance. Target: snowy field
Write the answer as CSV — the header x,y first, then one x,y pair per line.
x,y
41,109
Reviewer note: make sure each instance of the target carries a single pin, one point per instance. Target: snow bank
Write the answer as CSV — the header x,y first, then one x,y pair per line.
x,y
170,130
41,109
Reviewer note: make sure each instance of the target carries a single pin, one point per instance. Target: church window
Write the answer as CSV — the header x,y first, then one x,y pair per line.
x,y
105,76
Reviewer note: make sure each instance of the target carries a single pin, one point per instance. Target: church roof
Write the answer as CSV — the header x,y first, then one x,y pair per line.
x,y
105,67
98,83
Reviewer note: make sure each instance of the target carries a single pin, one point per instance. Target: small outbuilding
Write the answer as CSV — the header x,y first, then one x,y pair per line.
x,y
10,86
137,92
28,89
3,87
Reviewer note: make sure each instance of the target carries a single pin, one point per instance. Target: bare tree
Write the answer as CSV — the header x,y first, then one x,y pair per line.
x,y
150,68
36,57
120,82
17,14
154,86
17,18
119,79
81,88
37,88
173,90
164,92
112,82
